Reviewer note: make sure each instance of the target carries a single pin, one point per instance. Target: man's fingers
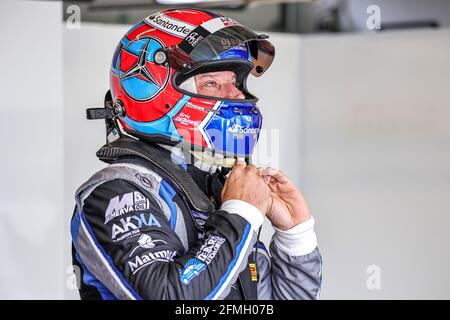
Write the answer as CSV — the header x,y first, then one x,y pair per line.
x,y
269,171
251,168
240,165
275,174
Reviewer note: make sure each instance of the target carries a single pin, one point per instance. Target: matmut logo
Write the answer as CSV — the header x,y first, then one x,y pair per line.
x,y
129,202
149,258
173,26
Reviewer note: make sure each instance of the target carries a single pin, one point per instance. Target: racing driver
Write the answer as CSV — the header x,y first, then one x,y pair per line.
x,y
177,211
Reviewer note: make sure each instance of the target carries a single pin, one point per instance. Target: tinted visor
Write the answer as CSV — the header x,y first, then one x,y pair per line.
x,y
201,46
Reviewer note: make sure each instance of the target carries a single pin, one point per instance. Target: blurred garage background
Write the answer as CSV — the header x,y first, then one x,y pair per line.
x,y
357,112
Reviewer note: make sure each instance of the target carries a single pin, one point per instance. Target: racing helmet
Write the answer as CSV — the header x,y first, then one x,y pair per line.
x,y
152,89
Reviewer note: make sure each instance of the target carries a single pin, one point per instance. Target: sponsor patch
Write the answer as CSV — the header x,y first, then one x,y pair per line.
x,y
191,269
146,242
228,43
129,227
200,219
194,39
253,272
193,106
147,180
129,202
185,119
228,21
204,256
237,128
149,258
209,250
170,25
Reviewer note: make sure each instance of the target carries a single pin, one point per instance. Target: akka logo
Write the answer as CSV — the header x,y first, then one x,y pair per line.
x,y
237,128
150,258
143,80
146,242
194,39
172,26
129,202
129,227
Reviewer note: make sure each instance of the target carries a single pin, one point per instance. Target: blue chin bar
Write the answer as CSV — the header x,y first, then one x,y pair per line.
x,y
234,128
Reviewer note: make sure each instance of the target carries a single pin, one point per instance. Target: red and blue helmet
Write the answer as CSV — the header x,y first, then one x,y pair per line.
x,y
167,48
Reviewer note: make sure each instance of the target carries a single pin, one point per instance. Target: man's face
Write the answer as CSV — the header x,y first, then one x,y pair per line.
x,y
220,84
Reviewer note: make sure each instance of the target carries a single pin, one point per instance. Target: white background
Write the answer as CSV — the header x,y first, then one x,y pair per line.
x,y
32,151
363,130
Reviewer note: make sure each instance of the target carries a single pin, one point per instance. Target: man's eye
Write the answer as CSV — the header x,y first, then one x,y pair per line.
x,y
211,84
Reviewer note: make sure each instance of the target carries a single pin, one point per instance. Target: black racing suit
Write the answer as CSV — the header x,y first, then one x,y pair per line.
x,y
136,235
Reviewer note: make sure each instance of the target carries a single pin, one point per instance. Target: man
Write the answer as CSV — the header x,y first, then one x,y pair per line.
x,y
166,219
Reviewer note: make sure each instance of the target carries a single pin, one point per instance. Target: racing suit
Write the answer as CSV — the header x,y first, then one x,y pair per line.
x,y
140,232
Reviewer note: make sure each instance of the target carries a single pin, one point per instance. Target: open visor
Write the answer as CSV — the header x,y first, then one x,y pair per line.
x,y
201,46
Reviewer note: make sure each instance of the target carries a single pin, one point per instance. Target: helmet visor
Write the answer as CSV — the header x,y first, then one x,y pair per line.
x,y
197,49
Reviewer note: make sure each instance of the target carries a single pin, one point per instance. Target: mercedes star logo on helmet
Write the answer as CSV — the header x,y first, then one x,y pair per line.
x,y
141,82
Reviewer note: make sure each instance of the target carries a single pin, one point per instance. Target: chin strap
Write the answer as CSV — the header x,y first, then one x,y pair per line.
x,y
214,159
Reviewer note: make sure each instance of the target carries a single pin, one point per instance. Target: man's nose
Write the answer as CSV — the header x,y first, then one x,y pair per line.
x,y
231,92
